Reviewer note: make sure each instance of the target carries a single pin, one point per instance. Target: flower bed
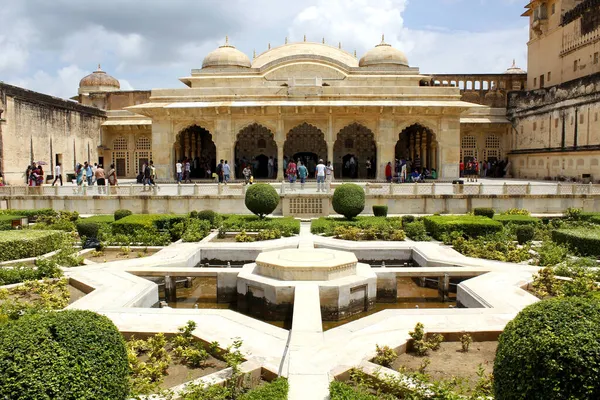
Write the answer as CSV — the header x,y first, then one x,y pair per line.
x,y
19,244
288,226
360,228
471,226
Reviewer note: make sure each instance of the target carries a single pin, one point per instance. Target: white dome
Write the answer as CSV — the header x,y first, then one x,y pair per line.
x,y
305,50
226,56
383,54
514,69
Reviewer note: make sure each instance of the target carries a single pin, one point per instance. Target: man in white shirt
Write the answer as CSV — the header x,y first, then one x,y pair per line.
x,y
329,172
179,169
57,174
270,166
226,172
320,173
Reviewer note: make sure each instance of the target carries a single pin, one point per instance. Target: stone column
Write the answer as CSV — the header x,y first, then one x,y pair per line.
x,y
330,139
424,136
162,148
449,147
433,156
188,144
223,139
386,146
280,141
412,144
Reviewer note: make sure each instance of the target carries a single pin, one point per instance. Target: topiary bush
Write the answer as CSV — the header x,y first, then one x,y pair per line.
x,y
87,229
407,219
262,199
416,231
525,233
119,214
348,200
63,355
207,215
380,211
551,350
484,212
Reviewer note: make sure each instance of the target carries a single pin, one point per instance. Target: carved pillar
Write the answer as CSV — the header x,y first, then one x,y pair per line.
x,y
433,158
411,146
330,138
162,149
188,145
423,151
386,147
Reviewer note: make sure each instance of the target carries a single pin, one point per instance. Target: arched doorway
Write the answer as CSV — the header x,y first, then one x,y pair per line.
x,y
306,142
417,144
195,144
254,146
355,145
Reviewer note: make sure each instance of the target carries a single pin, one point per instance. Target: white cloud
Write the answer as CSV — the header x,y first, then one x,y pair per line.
x,y
62,83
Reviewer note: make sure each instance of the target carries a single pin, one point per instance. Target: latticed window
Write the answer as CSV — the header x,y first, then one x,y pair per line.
x,y
492,142
120,144
468,142
143,143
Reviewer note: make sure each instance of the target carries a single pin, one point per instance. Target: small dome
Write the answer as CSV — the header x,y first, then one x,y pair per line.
x,y
383,54
99,81
514,69
226,56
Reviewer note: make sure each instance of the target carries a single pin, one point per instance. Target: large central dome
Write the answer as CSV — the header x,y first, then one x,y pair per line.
x,y
305,50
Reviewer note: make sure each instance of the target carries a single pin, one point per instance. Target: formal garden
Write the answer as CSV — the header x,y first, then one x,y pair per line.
x,y
539,355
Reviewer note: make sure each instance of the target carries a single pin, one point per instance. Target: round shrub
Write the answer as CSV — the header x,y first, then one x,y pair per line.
x,y
380,211
122,214
349,200
551,350
88,229
484,212
525,233
63,355
407,219
262,199
208,215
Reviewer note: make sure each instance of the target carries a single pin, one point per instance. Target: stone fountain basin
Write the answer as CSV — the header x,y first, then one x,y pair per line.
x,y
306,264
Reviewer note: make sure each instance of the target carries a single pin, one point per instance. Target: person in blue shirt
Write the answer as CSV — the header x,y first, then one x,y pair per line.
x,y
89,174
302,174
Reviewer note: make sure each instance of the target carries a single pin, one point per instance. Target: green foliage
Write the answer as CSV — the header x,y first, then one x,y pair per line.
x,y
268,234
381,232
380,211
69,354
27,243
33,297
23,272
573,214
6,221
583,274
498,247
550,253
416,231
262,199
408,219
517,219
274,390
137,225
516,211
197,229
348,200
62,221
586,241
471,226
288,226
342,391
385,356
120,214
139,238
146,376
525,233
243,237
207,215
31,214
88,229
327,226
100,219
465,342
484,212
550,351
420,344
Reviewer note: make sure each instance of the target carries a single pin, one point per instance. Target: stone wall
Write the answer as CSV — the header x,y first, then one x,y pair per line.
x,y
557,130
38,127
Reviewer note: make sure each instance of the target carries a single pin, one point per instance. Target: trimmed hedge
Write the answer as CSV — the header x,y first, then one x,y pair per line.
x,y
484,212
343,391
32,214
517,219
586,241
146,222
471,226
207,215
348,200
100,219
88,229
525,233
262,199
380,211
63,355
196,230
408,219
275,390
327,225
6,221
251,223
27,243
120,214
551,350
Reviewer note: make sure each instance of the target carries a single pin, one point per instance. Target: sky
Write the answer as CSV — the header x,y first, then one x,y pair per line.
x,y
49,45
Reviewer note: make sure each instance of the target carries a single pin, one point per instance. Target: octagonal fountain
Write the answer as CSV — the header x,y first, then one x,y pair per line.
x,y
265,288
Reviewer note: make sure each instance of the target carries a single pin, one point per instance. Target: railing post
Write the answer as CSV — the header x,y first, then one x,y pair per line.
x,y
591,188
574,188
244,189
433,189
219,189
367,191
558,188
480,188
505,189
131,189
282,188
56,190
196,189
179,190
84,189
528,190
415,189
391,189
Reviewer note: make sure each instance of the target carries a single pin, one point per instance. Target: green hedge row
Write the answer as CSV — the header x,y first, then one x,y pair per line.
x,y
100,219
585,241
6,221
251,223
327,225
343,391
516,219
31,214
275,390
132,224
27,243
472,226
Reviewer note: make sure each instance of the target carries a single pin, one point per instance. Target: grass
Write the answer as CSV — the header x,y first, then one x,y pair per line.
x,y
100,219
516,219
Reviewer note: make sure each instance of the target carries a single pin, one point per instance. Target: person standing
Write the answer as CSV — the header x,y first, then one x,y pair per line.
x,y
94,168
368,165
100,179
88,173
247,174
146,178
57,175
291,171
388,172
152,174
226,172
187,171
179,169
270,167
320,172
302,174
79,176
329,172
112,178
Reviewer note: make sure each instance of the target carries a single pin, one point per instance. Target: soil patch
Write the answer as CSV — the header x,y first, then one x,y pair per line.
x,y
114,255
181,373
450,361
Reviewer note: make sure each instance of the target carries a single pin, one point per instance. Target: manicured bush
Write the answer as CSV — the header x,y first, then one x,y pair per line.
x,y
27,243
119,214
207,215
63,355
525,233
484,212
416,231
516,211
147,222
327,226
275,390
88,229
472,226
407,219
551,350
586,241
517,219
288,226
6,221
32,214
196,230
21,273
262,199
380,211
100,219
348,200
342,391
